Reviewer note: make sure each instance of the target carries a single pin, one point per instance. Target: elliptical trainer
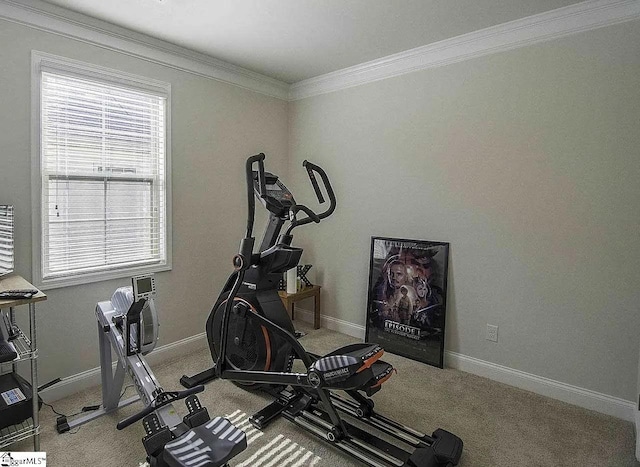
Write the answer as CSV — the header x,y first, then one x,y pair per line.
x,y
253,343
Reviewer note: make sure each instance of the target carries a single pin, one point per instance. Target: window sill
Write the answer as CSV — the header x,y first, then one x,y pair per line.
x,y
69,281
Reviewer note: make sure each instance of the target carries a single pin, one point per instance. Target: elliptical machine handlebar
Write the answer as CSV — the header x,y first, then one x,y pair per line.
x,y
259,158
311,216
311,168
246,248
162,399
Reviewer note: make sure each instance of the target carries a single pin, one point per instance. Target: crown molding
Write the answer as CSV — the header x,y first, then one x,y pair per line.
x,y
60,21
584,16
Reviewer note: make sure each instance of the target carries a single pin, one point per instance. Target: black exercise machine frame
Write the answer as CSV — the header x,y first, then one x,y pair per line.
x,y
270,377
310,404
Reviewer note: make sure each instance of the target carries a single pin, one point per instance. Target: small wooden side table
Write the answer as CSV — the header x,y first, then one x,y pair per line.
x,y
290,298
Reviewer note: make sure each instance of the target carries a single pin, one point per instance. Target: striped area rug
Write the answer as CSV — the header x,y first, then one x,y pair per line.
x,y
274,451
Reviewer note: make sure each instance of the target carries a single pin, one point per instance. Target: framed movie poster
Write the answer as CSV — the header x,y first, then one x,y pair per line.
x,y
406,309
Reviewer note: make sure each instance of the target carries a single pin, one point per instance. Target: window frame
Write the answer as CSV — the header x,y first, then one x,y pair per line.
x,y
41,61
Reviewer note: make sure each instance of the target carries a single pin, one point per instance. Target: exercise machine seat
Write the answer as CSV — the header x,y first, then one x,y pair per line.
x,y
211,444
355,366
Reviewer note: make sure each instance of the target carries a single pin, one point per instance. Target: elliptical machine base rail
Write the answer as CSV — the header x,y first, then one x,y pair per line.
x,y
409,447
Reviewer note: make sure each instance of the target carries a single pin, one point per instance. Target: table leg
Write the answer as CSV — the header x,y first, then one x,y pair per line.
x,y
289,307
316,311
12,321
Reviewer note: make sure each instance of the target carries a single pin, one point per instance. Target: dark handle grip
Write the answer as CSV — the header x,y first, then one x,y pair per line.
x,y
172,396
259,158
122,424
309,166
251,204
314,217
327,185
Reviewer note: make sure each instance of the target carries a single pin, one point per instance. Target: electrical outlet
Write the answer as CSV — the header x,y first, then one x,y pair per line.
x,y
492,333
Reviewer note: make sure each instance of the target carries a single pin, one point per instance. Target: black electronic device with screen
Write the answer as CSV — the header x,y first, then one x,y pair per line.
x,y
144,287
275,190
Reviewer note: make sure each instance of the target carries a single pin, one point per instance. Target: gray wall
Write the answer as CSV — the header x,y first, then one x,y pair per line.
x,y
528,163
215,127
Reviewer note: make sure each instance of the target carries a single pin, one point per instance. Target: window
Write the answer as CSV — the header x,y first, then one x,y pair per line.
x,y
102,167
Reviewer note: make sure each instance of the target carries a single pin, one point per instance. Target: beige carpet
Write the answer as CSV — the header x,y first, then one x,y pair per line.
x,y
500,425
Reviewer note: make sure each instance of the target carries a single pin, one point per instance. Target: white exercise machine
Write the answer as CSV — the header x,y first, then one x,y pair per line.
x,y
128,324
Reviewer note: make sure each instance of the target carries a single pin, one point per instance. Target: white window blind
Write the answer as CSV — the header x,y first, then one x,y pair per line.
x,y
102,164
6,239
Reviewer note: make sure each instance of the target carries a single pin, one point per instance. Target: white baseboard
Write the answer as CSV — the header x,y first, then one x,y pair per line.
x,y
581,397
91,378
575,395
334,324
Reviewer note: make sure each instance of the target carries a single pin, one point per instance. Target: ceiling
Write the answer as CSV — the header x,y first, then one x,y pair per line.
x,y
292,40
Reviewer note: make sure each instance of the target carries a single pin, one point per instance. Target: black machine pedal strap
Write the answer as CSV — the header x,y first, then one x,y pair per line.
x,y
157,435
193,403
151,424
197,414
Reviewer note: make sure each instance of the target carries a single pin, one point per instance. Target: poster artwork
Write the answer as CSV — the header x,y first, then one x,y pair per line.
x,y
407,297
